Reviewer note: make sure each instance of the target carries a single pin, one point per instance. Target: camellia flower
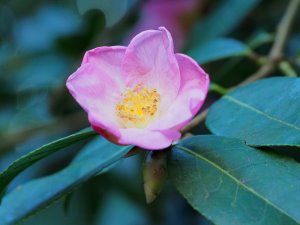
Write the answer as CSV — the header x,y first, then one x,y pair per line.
x,y
143,94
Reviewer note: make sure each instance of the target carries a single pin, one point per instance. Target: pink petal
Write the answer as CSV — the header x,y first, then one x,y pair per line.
x,y
109,60
192,93
147,139
150,60
96,85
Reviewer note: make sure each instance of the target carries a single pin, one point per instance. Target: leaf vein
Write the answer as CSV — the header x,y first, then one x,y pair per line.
x,y
236,101
188,151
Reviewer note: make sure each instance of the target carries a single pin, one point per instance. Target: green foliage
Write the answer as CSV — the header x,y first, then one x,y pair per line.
x,y
218,48
113,10
224,179
27,160
39,193
263,113
222,20
231,183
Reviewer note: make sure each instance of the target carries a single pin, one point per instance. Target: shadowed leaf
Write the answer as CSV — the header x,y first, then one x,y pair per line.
x,y
231,183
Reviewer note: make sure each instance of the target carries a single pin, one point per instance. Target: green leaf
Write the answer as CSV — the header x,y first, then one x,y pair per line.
x,y
39,193
25,161
114,10
264,113
227,16
219,48
231,183
260,38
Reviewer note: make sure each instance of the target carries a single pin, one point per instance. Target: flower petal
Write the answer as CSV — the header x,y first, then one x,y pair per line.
x,y
92,91
96,85
147,139
109,60
193,90
150,60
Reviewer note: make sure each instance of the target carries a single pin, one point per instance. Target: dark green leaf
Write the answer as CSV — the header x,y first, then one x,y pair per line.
x,y
232,184
27,160
260,38
219,48
222,20
265,113
39,193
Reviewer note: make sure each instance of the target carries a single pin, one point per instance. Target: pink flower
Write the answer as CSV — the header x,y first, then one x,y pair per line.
x,y
142,94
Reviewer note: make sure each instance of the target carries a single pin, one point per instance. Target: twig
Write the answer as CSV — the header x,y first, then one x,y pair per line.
x,y
264,71
218,89
273,59
284,28
287,69
281,37
198,119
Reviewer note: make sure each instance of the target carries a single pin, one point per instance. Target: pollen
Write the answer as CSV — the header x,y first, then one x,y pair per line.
x,y
138,106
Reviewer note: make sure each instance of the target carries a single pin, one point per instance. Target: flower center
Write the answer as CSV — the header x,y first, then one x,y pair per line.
x,y
138,106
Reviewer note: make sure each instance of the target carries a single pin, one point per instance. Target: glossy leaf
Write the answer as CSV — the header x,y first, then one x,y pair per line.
x,y
27,160
231,183
265,113
227,16
39,193
216,49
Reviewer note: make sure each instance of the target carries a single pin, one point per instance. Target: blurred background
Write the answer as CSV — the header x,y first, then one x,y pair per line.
x,y
43,42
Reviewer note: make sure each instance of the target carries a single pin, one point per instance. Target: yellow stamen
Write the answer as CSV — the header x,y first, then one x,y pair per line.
x,y
138,106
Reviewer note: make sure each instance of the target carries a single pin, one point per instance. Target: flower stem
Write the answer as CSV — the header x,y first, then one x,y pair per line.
x,y
281,37
218,89
287,69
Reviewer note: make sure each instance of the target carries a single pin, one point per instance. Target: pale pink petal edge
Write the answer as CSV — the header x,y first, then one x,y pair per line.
x,y
189,101
101,49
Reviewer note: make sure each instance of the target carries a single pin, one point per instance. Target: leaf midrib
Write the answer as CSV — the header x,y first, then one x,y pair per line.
x,y
242,104
190,152
50,200
12,170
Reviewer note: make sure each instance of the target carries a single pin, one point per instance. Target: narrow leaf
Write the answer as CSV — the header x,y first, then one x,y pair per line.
x,y
217,49
39,193
231,183
27,160
231,11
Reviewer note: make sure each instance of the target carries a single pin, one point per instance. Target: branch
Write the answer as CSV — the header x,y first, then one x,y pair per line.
x,y
274,57
281,37
198,119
